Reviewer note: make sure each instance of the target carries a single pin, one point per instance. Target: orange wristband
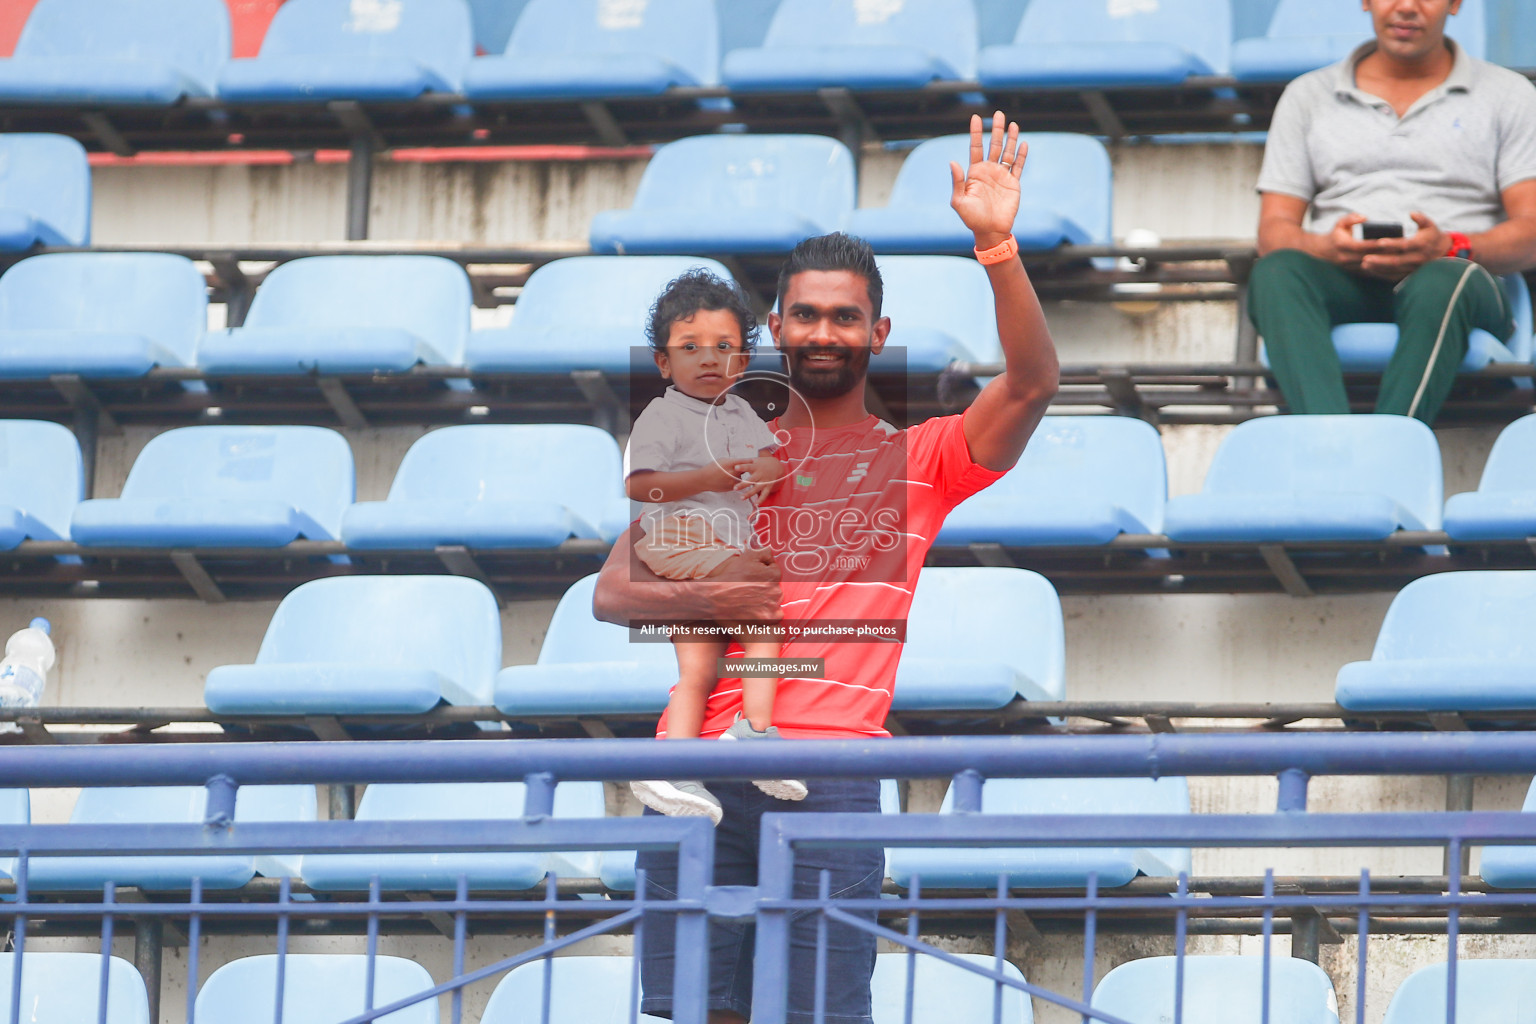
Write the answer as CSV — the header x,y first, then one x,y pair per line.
x,y
1003,251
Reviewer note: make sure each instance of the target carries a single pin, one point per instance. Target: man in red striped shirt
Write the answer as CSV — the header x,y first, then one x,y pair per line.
x,y
846,534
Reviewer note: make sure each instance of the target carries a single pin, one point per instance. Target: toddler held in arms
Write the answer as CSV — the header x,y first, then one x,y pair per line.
x,y
700,458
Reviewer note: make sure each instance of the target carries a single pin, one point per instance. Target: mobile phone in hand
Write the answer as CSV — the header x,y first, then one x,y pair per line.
x,y
1373,229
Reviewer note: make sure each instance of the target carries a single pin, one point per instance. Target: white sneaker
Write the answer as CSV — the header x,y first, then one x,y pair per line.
x,y
779,789
685,798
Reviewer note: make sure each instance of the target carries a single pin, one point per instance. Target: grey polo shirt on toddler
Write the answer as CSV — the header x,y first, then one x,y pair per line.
x,y
1449,157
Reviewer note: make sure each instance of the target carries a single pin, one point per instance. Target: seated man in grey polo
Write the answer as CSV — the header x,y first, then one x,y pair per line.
x,y
1408,129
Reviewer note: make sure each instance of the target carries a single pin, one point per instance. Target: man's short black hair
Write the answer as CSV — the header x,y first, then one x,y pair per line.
x,y
695,290
836,251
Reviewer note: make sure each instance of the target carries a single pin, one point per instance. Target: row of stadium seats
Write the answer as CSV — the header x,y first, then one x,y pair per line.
x,y
1082,481
157,52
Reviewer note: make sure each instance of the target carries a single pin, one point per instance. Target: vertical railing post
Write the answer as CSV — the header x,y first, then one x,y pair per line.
x,y
695,872
148,957
1293,790
770,961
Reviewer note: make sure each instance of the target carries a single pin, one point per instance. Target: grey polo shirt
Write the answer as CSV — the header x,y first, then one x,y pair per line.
x,y
1450,156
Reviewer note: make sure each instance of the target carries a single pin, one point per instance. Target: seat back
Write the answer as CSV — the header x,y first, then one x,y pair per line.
x,y
190,35
63,988
47,176
1518,295
448,624
945,28
1069,174
681,32
1487,991
15,809
173,805
1200,27
470,801
157,295
575,636
1310,19
1392,455
428,296
809,174
990,614
1219,990
1511,465
318,988
41,472
309,468
941,293
1483,615
435,33
628,286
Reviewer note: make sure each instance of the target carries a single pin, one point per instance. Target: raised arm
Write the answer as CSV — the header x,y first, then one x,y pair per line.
x,y
626,592
986,196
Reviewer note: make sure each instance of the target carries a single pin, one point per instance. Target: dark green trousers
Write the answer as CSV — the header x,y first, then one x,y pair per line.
x,y
1296,299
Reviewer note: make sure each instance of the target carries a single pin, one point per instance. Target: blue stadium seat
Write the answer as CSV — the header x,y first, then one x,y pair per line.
x,y
732,194
1487,991
816,44
1067,194
980,637
494,486
1504,504
317,50
1301,478
1305,35
318,988
349,314
598,989
1368,347
1066,44
440,872
226,487
16,809
544,338
172,805
1082,480
141,52
1051,867
369,645
941,310
595,49
588,667
42,478
1451,641
63,988
100,314
1506,867
45,191
1219,990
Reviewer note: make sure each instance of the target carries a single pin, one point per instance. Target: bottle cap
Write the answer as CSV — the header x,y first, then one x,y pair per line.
x,y
42,624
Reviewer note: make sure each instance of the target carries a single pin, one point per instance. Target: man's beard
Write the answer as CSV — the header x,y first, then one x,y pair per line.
x,y
833,381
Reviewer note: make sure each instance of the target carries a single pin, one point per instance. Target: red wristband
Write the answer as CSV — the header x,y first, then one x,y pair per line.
x,y
1461,246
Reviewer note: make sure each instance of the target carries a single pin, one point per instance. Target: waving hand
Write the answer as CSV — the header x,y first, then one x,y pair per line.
x,y
986,195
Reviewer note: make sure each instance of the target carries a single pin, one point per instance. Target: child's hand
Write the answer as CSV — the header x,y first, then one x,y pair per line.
x,y
760,476
724,476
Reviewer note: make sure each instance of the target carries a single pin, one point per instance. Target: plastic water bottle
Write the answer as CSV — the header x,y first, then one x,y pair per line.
x,y
24,670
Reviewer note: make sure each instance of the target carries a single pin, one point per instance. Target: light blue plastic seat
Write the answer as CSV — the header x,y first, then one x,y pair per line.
x,y
1504,867
1368,347
440,872
732,194
369,50
1504,505
588,667
595,49
142,52
1487,991
941,310
1219,990
1452,641
16,809
1067,187
172,805
42,479
1324,478
494,486
1111,44
1050,867
543,337
100,314
369,644
64,988
227,487
318,988
1305,35
1082,480
816,44
45,191
349,314
980,637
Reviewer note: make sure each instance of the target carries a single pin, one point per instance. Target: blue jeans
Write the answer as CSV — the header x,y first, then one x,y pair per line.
x,y
855,874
